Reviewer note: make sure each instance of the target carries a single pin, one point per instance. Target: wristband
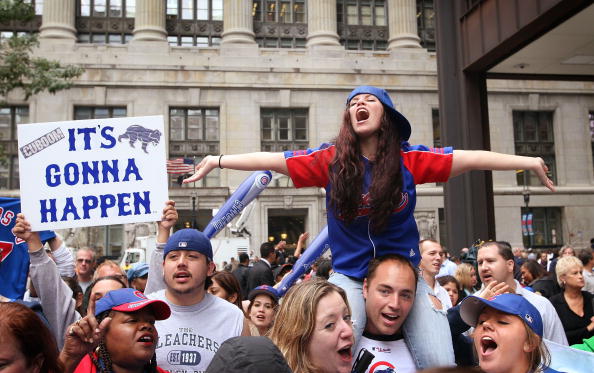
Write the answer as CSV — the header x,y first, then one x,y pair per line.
x,y
220,156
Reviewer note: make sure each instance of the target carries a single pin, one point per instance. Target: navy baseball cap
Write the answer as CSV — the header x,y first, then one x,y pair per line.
x,y
514,304
266,290
130,300
189,239
137,270
403,125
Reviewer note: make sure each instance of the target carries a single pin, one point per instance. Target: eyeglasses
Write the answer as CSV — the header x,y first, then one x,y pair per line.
x,y
89,261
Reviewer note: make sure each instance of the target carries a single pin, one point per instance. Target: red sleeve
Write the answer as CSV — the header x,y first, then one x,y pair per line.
x,y
310,167
433,165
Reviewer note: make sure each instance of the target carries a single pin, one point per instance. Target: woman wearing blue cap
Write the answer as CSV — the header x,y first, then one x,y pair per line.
x,y
370,172
507,335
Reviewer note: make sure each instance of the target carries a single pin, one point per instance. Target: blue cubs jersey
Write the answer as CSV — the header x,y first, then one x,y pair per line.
x,y
14,253
354,245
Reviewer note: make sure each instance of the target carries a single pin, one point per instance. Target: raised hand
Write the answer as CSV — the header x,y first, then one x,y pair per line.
x,y
170,216
168,220
207,164
494,288
22,230
82,337
541,170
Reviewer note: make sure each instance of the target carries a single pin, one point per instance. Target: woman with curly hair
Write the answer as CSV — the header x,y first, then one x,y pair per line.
x,y
370,173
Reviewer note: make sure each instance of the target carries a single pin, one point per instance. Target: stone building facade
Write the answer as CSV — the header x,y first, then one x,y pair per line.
x,y
238,76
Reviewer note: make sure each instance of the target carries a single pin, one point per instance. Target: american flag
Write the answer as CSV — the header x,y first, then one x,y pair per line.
x,y
180,166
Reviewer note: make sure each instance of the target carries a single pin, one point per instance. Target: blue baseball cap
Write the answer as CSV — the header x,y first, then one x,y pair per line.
x,y
514,304
130,300
403,125
266,290
189,239
137,270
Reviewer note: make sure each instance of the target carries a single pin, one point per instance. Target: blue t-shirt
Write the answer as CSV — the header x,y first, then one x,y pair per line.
x,y
14,253
354,245
550,370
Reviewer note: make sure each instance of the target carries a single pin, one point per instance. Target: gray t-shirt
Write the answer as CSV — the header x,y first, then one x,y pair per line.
x,y
191,336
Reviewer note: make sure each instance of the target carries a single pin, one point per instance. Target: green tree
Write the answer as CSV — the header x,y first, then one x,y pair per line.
x,y
18,67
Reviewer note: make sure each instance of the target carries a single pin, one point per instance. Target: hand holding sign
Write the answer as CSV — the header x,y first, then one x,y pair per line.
x,y
168,220
22,230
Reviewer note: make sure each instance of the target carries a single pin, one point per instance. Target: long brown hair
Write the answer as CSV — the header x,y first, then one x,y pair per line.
x,y
347,172
229,283
33,338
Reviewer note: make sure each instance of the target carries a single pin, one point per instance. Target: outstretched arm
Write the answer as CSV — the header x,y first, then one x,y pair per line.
x,y
469,160
244,162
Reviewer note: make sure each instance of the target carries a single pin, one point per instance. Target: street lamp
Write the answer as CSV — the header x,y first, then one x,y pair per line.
x,y
526,194
193,194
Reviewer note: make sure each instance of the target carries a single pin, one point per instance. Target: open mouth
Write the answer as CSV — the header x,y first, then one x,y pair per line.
x,y
345,353
146,339
181,275
390,318
362,115
488,345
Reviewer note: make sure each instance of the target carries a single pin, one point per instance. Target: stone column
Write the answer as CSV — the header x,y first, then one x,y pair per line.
x,y
321,23
402,23
57,21
238,23
149,23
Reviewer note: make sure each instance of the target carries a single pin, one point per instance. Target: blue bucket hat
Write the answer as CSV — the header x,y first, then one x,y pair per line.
x,y
403,125
189,239
138,270
130,300
514,304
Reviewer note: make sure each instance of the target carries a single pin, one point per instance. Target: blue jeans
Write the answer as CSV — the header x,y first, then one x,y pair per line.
x,y
426,330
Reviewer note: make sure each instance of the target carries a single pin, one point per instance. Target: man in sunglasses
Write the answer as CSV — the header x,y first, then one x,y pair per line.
x,y
85,266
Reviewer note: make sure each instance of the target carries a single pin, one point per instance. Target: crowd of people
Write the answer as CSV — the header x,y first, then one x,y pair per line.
x,y
384,302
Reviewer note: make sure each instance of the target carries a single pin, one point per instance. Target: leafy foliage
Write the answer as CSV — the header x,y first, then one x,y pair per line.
x,y
18,67
15,9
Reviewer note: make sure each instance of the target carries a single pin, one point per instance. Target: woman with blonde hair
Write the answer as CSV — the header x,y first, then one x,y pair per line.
x,y
466,276
574,306
313,328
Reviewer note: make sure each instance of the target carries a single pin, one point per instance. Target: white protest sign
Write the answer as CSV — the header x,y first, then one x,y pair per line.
x,y
92,172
